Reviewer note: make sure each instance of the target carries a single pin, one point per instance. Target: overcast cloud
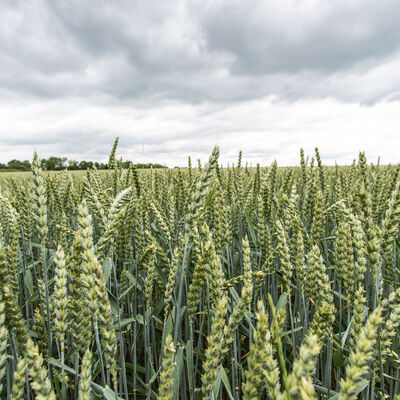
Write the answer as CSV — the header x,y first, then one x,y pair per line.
x,y
173,79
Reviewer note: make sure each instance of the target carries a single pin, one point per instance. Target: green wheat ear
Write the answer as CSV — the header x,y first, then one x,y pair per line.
x,y
85,390
60,297
168,367
3,344
361,357
258,358
300,380
19,380
40,381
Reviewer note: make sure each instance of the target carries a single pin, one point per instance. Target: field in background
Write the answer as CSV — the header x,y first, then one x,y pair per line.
x,y
220,283
27,174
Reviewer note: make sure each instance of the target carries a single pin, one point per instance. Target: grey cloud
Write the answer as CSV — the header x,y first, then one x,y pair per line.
x,y
178,77
170,135
296,37
197,51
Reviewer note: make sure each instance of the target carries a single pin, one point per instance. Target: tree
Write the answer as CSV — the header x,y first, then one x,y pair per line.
x,y
19,165
85,164
56,163
73,165
27,165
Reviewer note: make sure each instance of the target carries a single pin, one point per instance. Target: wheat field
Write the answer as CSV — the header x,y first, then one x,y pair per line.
x,y
201,283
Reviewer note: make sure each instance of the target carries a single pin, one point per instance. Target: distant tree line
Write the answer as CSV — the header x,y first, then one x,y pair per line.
x,y
61,163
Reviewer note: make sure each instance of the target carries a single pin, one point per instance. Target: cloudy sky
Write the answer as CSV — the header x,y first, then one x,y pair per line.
x,y
174,78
